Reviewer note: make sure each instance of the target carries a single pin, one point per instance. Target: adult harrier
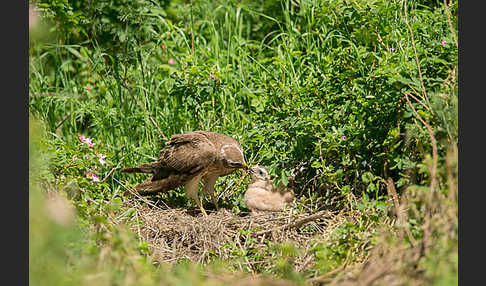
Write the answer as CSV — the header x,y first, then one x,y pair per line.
x,y
187,159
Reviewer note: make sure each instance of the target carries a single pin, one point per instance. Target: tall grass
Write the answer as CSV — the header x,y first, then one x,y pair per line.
x,y
317,86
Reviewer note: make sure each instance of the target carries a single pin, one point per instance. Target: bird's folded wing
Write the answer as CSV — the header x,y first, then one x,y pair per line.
x,y
188,153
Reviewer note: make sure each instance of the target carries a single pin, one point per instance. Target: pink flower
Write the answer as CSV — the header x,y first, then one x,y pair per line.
x,y
86,140
88,88
101,158
89,142
92,176
443,42
171,61
212,76
343,137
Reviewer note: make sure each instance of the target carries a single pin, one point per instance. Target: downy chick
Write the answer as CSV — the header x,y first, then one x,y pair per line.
x,y
261,196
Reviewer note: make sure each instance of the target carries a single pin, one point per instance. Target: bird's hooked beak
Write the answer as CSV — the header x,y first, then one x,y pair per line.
x,y
238,165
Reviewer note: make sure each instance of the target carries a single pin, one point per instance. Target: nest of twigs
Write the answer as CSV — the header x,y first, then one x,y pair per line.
x,y
184,233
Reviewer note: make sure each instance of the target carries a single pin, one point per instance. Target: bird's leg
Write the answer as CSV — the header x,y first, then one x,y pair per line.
x,y
213,198
209,182
198,202
191,191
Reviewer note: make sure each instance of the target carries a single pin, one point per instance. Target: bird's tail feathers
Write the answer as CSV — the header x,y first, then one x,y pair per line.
x,y
168,183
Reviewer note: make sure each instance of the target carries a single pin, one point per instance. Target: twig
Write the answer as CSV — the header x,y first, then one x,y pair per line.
x,y
379,38
241,180
216,122
356,3
321,214
433,141
111,172
415,53
158,128
306,262
67,166
137,195
419,101
418,125
138,226
143,72
326,275
192,32
446,7
221,196
49,94
450,159
390,187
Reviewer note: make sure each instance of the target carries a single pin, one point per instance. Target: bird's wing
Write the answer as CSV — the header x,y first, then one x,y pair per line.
x,y
188,153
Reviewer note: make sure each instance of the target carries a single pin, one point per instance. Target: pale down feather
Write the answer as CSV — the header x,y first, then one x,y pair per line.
x,y
261,196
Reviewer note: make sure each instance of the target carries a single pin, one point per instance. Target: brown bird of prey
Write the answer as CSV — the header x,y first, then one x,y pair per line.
x,y
261,196
188,158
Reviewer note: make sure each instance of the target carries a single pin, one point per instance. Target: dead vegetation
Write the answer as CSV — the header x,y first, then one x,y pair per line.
x,y
399,259
175,234
396,259
420,229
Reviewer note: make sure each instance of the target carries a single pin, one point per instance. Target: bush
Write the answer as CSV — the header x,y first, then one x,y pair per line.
x,y
325,89
315,90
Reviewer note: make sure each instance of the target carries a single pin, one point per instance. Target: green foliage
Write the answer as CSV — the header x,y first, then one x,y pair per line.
x,y
315,84
285,256
346,244
442,265
325,87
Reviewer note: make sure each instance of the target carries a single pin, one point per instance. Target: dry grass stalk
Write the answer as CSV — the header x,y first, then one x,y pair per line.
x,y
416,55
296,224
446,7
249,280
433,141
393,262
390,187
173,234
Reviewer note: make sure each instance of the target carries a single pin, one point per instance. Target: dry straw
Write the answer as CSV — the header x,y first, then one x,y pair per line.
x,y
175,234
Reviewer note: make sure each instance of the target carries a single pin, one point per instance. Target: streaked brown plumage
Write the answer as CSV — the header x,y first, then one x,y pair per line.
x,y
261,196
187,159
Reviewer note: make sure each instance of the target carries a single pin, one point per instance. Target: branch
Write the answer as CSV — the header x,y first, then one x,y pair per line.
x,y
450,22
111,172
158,128
296,224
415,52
433,141
390,187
